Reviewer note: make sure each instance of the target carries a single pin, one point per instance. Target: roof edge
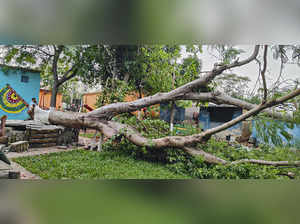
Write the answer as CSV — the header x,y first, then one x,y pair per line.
x,y
20,68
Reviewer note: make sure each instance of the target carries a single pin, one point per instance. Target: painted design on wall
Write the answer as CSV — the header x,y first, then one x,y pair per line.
x,y
10,101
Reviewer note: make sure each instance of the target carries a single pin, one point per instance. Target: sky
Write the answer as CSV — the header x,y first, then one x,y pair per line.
x,y
290,71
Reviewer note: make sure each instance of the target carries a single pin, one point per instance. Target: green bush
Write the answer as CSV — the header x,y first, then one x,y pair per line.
x,y
182,163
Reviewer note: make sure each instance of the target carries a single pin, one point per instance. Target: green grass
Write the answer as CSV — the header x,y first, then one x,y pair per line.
x,y
81,164
88,135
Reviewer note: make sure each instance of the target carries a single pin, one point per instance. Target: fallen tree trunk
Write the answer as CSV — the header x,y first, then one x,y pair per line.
x,y
100,119
111,128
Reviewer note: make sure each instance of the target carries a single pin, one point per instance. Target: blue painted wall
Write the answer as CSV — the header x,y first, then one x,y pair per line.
x,y
27,90
207,123
165,113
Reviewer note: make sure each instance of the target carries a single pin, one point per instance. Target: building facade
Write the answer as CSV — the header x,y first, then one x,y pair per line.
x,y
45,99
17,88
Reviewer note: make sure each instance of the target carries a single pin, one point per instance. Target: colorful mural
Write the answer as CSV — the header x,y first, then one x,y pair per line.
x,y
10,101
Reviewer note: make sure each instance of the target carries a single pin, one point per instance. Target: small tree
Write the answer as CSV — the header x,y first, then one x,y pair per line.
x,y
58,63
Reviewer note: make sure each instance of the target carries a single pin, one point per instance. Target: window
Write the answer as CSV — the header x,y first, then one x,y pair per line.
x,y
221,114
24,78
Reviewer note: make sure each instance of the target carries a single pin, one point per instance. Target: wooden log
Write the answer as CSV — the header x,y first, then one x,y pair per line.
x,y
43,131
39,136
42,141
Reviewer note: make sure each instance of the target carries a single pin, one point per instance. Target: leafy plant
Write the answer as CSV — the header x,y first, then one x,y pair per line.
x,y
182,163
271,131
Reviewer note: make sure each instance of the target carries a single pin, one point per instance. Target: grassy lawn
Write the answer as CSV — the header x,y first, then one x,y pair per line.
x,y
88,135
81,164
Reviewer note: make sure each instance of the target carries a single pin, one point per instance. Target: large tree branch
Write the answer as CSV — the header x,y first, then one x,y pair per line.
x,y
110,128
40,49
239,63
109,111
222,98
253,112
208,158
183,141
57,52
267,163
99,119
263,74
211,159
72,72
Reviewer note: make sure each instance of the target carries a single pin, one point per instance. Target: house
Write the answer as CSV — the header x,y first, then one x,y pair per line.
x,y
215,115
45,99
17,88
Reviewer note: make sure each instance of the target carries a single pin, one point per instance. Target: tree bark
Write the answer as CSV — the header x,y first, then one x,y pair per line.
x,y
111,128
57,52
54,92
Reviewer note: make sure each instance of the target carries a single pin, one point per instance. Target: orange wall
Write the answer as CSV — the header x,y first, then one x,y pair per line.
x,y
91,99
45,99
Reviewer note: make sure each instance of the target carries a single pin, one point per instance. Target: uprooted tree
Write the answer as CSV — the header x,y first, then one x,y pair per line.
x,y
101,118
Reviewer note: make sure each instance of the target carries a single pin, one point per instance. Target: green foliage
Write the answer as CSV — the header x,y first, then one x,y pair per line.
x,y
233,85
227,53
196,168
86,165
116,93
268,130
85,58
161,64
182,163
296,116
